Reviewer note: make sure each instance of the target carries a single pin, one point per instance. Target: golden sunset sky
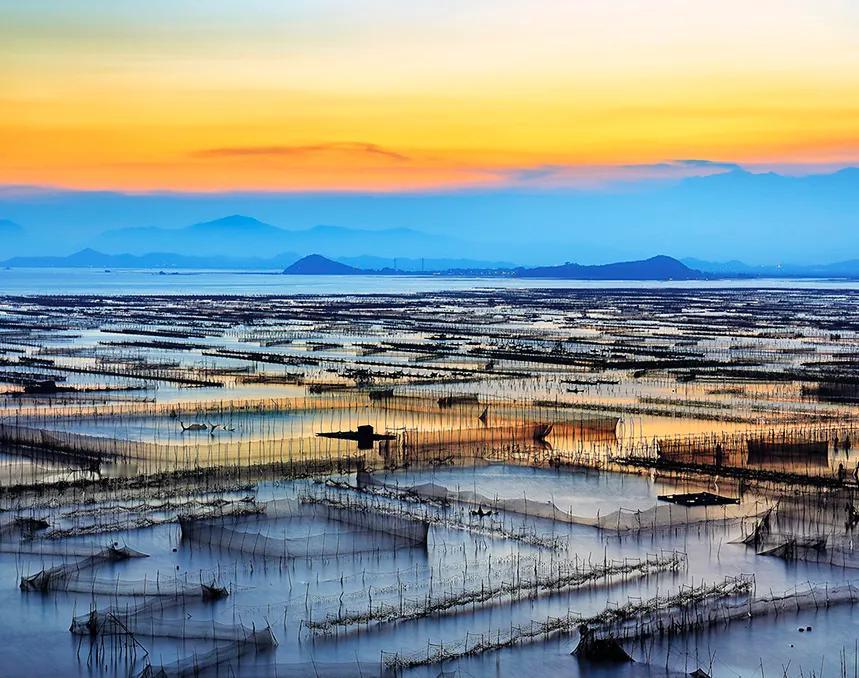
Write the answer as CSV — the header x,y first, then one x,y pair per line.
x,y
393,96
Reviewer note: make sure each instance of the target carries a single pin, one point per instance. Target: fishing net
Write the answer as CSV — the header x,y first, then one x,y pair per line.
x,y
475,522
125,518
147,620
475,644
816,527
561,576
201,663
153,586
56,577
682,619
376,531
622,520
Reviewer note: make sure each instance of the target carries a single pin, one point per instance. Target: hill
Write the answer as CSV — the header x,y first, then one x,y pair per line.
x,y
426,264
315,264
656,268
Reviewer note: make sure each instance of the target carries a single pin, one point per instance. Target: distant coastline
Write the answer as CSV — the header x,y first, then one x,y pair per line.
x,y
655,268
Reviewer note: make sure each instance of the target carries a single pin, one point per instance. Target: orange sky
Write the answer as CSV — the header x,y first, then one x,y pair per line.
x,y
395,96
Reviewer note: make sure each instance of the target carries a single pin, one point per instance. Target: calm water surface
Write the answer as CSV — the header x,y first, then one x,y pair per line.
x,y
27,281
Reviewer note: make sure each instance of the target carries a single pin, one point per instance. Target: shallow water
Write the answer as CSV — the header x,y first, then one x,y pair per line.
x,y
28,281
432,346
282,593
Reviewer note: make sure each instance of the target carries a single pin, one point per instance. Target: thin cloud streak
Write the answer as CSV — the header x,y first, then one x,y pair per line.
x,y
596,176
360,147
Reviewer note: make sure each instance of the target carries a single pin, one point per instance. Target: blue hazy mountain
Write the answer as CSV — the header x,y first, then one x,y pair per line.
x,y
732,267
655,268
89,258
423,264
759,218
245,236
838,269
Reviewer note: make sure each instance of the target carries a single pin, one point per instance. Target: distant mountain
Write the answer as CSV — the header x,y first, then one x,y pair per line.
x,y
840,269
235,235
732,267
316,264
846,269
763,217
89,258
423,265
244,236
656,268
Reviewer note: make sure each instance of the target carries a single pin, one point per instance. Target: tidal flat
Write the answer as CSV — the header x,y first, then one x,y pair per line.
x,y
628,481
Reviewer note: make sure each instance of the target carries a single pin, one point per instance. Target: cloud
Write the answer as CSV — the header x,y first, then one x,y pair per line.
x,y
594,176
537,173
359,147
686,164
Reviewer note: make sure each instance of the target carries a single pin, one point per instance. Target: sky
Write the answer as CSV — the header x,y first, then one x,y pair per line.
x,y
386,96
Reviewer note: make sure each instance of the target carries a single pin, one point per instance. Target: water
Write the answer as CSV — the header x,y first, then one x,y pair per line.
x,y
286,594
28,281
282,593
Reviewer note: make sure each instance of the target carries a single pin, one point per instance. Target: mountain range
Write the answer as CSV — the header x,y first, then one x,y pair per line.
x,y
242,242
243,236
656,268
759,217
245,243
90,258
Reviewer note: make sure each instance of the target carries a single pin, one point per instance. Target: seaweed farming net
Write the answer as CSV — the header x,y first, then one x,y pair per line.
x,y
622,520
158,586
376,531
802,452
51,435
539,581
476,644
202,663
814,527
56,577
149,620
142,517
475,523
675,620
492,441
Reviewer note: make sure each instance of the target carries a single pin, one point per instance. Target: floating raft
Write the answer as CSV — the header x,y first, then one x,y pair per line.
x,y
698,499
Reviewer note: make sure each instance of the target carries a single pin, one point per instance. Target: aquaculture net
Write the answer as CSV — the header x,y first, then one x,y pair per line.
x,y
536,582
56,577
375,531
622,520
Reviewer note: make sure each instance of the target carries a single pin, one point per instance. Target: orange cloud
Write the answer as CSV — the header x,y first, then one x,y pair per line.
x,y
358,147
